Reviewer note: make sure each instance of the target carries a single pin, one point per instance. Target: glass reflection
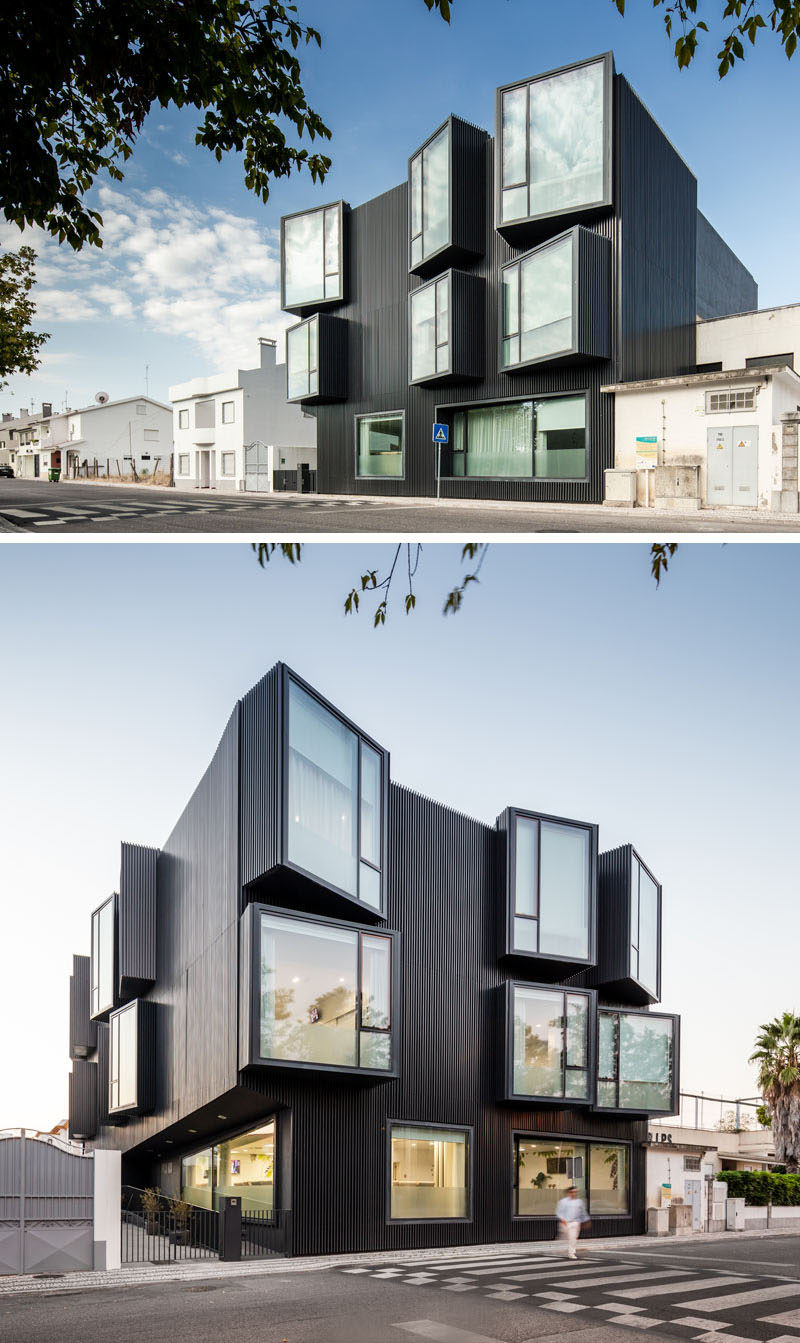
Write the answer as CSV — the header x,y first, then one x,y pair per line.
x,y
567,134
308,992
323,768
545,1170
429,1173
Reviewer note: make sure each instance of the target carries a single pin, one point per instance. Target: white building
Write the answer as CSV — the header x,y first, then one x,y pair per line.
x,y
108,438
723,436
234,430
11,426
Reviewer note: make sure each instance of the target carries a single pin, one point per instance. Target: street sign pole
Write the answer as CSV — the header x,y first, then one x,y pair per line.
x,y
438,472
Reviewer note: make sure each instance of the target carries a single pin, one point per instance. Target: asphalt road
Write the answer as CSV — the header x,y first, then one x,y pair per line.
x,y
668,1291
37,507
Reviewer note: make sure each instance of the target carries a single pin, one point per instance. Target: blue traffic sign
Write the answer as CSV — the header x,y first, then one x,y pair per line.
x,y
441,433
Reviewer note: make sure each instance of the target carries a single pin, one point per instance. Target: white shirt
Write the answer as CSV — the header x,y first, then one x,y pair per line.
x,y
571,1210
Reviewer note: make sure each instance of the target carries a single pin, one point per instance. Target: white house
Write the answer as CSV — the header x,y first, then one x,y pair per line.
x,y
724,435
108,438
234,430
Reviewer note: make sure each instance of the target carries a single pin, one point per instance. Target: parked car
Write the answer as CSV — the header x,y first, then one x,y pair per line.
x,y
7,471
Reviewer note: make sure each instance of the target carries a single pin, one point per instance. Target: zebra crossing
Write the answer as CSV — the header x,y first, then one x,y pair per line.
x,y
704,1305
56,515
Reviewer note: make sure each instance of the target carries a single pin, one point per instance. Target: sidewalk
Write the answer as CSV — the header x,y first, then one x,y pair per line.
x,y
189,1270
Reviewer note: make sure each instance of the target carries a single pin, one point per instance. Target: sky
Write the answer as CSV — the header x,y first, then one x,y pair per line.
x,y
188,278
568,684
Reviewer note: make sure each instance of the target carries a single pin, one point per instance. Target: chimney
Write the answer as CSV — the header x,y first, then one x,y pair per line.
x,y
267,348
8,415
23,413
47,409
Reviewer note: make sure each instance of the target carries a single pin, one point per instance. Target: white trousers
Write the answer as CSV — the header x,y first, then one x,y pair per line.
x,y
572,1230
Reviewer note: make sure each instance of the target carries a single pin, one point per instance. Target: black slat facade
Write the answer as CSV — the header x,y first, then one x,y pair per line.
x,y
136,920
445,898
82,1030
83,1100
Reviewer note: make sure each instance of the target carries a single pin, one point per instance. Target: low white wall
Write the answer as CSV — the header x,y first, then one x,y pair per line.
x,y
107,1208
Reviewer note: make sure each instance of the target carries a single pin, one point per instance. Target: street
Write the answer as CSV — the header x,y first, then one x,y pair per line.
x,y
35,506
749,1288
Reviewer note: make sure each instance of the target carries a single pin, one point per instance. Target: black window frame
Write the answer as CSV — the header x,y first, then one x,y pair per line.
x,y
446,411
143,1011
508,947
426,260
469,1129
585,210
377,415
211,1141
317,305
445,277
516,263
527,1135
289,677
308,393
250,993
566,990
676,1053
132,1009
653,993
101,1013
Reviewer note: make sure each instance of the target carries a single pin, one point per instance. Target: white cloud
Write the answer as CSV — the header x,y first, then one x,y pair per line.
x,y
204,275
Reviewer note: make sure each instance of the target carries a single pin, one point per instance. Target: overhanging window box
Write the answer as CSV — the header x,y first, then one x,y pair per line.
x,y
545,1167
313,258
317,994
550,891
446,198
549,1044
104,959
555,306
136,920
637,1062
553,150
429,1177
316,360
628,928
131,1067
83,1100
82,1029
445,330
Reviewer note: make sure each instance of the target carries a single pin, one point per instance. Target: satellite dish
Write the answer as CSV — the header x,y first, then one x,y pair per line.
x,y
101,398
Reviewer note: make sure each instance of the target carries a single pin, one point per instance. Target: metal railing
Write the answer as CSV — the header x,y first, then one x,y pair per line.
x,y
264,1233
163,1234
716,1113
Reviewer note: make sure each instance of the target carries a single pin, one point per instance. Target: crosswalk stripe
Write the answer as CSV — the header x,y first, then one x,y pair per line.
x,y
565,1307
729,1338
700,1284
599,1277
634,1321
727,1302
442,1333
791,1317
627,1277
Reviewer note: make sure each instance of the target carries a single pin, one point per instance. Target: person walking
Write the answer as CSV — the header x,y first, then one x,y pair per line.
x,y
572,1215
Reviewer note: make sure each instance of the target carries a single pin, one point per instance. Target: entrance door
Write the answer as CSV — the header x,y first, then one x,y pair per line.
x,y
256,467
732,467
693,1195
204,470
36,465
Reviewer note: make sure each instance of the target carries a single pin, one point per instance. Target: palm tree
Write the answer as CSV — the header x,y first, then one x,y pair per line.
x,y
777,1054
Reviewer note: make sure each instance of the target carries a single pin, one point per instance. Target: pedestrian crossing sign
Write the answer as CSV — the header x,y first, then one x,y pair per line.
x,y
441,433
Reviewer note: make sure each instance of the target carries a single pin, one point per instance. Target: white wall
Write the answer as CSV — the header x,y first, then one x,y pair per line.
x,y
107,1208
751,335
107,434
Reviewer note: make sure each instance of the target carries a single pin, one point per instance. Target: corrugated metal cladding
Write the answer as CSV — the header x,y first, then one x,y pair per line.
x,y
443,897
613,913
82,1030
136,920
650,307
83,1099
724,285
260,738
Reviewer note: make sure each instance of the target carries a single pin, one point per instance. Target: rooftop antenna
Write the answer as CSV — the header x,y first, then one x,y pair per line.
x,y
147,379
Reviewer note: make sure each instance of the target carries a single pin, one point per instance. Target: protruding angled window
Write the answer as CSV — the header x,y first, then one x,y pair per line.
x,y
446,329
430,329
429,198
636,1062
301,361
645,927
131,1068
554,145
103,958
312,258
316,360
551,888
550,1042
555,302
446,198
429,1173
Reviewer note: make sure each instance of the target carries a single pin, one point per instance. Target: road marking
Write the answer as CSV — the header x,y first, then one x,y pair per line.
x,y
623,1308
697,1322
744,1298
54,522
563,1268
465,1287
729,1338
635,1321
634,1277
656,1255
21,513
791,1317
506,1295
442,1333
670,1288
555,1296
565,1307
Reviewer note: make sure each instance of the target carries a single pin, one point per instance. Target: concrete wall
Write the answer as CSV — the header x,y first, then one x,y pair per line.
x,y
733,340
107,1208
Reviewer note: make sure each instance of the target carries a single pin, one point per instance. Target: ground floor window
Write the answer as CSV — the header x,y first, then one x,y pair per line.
x,y
379,444
543,440
183,463
545,1168
429,1173
242,1167
229,463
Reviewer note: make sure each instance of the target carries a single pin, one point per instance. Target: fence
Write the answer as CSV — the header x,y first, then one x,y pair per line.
x,y
719,1113
46,1205
265,1233
169,1230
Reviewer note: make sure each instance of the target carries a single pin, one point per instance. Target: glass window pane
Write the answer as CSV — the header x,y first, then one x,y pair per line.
x,y
304,278
308,992
567,137
332,289
544,1172
525,860
376,1050
645,1062
515,203
369,887
126,1069
196,1179
423,332
416,197
511,301
561,438
244,1168
577,1030
429,1173
312,343
577,1084
380,445
323,759
443,310
546,301
607,1045
538,1042
375,981
416,250
648,932
608,1180
634,902
443,359
515,105
332,242
103,958
370,805
436,193
500,440
526,935
607,1095
564,890
297,360
511,351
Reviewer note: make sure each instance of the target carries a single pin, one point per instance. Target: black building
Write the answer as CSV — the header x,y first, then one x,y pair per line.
x,y
389,1023
497,291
